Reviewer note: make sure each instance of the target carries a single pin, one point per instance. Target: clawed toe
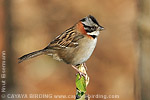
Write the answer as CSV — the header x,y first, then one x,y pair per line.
x,y
82,74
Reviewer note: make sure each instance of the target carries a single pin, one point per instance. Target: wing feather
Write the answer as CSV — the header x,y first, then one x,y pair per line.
x,y
69,38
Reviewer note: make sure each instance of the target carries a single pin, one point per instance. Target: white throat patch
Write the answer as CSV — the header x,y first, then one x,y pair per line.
x,y
94,33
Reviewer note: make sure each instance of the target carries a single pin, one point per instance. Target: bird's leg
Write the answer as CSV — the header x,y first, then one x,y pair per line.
x,y
80,73
85,66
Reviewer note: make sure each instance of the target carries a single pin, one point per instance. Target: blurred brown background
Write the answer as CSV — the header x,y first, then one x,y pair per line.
x,y
114,67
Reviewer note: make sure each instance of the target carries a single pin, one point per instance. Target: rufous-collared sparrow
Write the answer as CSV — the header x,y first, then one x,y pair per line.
x,y
75,45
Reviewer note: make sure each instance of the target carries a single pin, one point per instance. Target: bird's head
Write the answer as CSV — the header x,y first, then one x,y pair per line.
x,y
91,26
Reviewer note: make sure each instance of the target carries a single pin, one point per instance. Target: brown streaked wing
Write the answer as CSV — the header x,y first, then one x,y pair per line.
x,y
66,39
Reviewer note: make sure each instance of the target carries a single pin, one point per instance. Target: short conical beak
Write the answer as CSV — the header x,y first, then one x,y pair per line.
x,y
100,28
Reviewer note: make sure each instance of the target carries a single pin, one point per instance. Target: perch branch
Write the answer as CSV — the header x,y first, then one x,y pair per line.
x,y
81,83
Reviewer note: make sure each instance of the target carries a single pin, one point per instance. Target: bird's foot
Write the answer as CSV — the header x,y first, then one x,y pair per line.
x,y
80,73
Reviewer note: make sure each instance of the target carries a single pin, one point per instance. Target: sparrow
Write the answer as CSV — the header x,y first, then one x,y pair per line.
x,y
74,46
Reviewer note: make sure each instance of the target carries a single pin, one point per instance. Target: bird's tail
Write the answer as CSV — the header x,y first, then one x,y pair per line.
x,y
31,55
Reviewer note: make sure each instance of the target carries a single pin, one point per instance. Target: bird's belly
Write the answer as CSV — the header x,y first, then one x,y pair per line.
x,y
84,51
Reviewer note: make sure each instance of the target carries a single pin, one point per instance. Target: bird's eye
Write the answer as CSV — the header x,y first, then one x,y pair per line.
x,y
93,28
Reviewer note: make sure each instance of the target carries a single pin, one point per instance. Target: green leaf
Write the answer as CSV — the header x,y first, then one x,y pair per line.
x,y
81,83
